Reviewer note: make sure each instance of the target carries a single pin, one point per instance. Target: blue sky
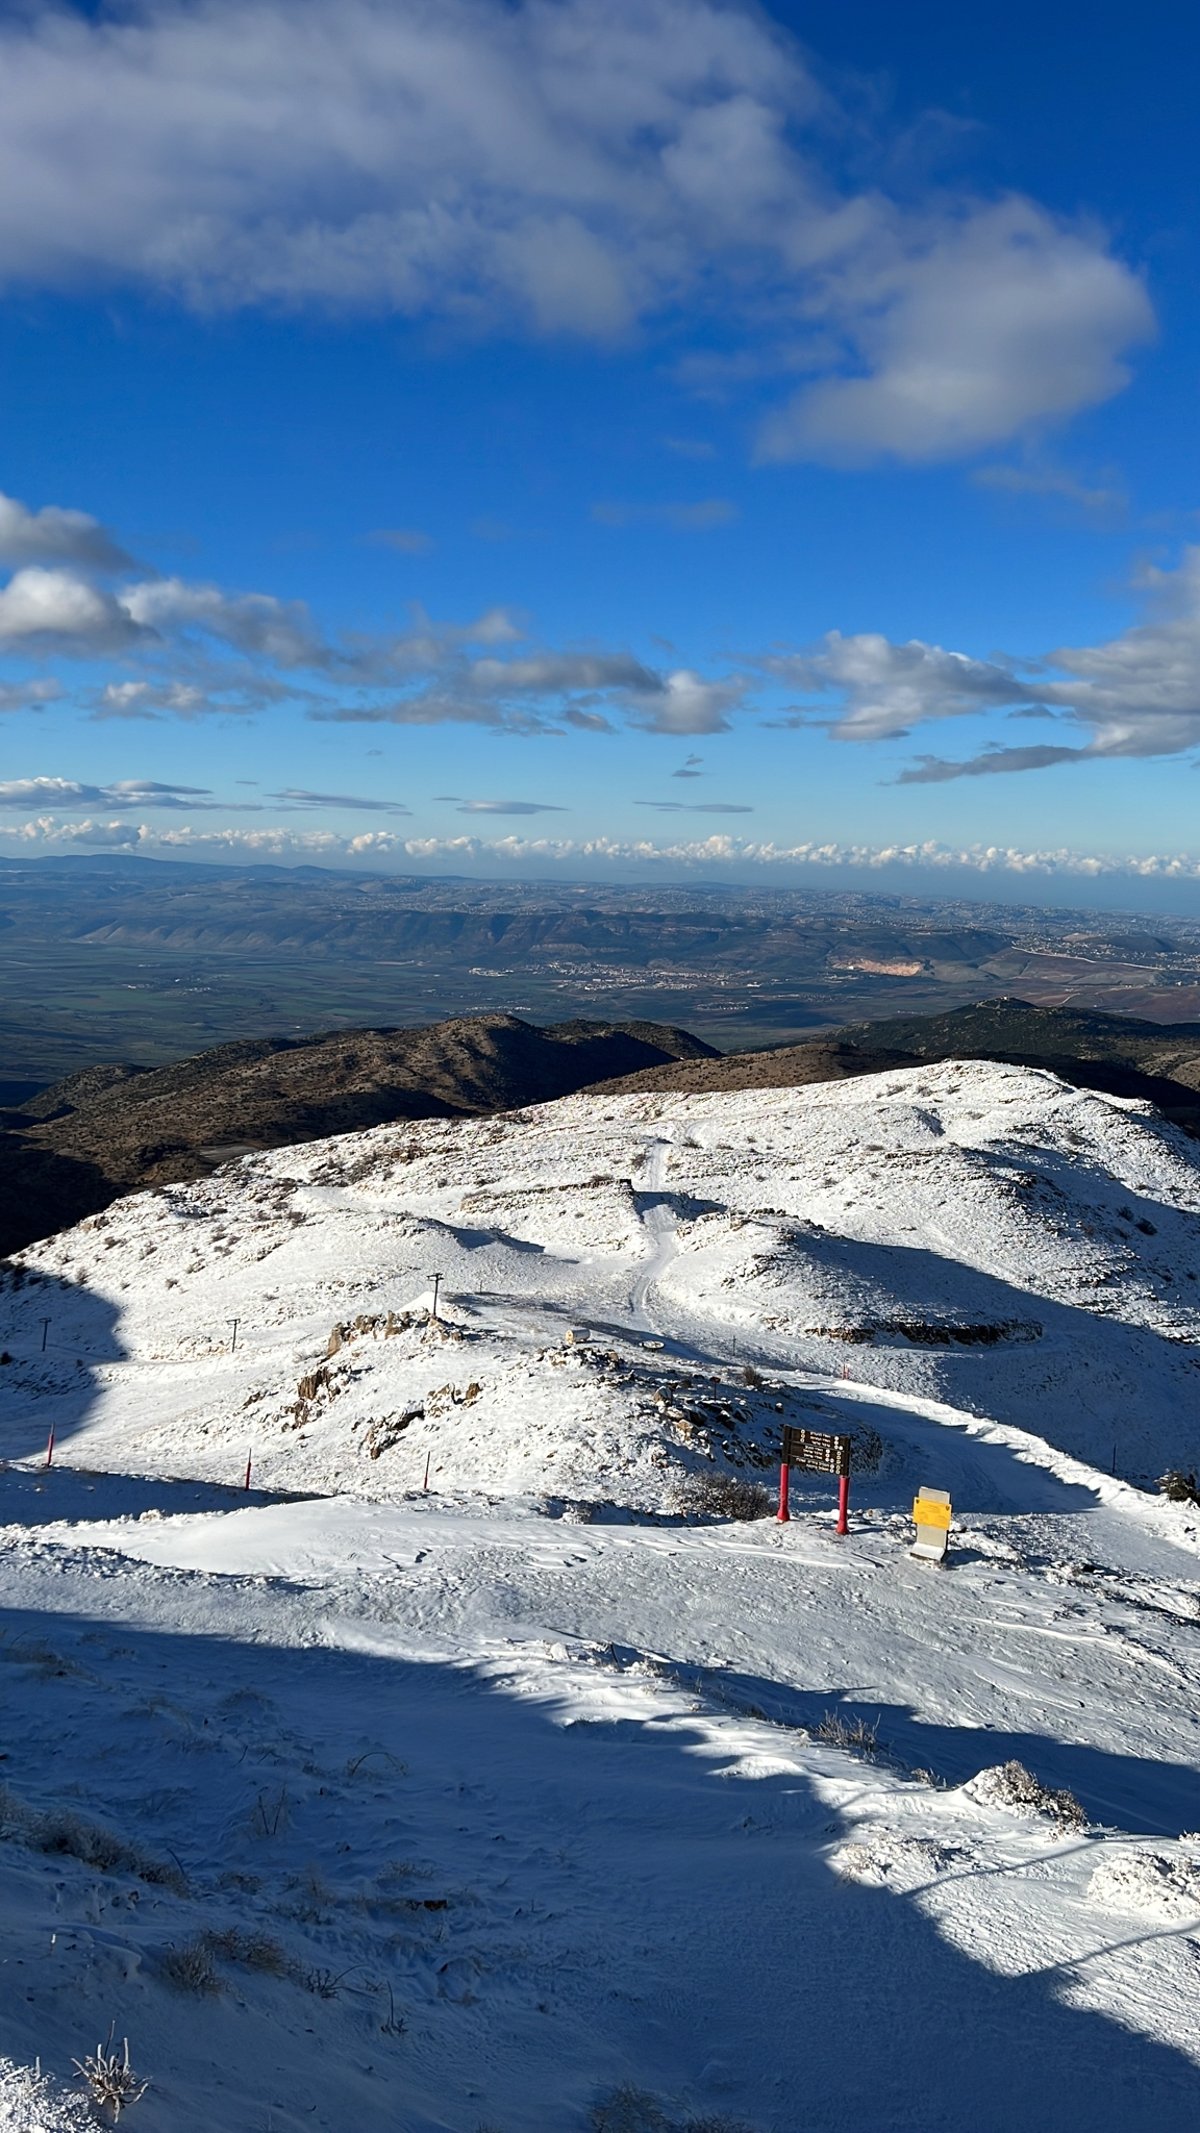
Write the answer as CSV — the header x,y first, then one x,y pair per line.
x,y
596,439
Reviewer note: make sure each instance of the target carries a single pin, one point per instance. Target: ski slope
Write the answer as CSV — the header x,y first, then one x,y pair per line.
x,y
538,1798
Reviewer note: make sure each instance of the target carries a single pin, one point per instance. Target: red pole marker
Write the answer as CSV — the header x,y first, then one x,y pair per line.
x,y
843,1524
50,1450
249,1458
784,1514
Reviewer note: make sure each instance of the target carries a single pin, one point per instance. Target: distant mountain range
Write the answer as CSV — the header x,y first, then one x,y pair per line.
x,y
106,958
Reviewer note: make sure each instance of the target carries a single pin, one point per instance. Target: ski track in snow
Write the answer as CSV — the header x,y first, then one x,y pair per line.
x,y
498,1797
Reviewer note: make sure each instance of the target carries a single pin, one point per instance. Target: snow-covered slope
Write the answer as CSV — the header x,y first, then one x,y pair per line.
x,y
980,1236
525,1804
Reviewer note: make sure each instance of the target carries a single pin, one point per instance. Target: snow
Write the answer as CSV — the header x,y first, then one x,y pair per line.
x,y
356,1803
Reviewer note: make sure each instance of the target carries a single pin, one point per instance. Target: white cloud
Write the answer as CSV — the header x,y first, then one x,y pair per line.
x,y
145,699
1138,695
56,536
885,689
962,332
684,703
280,631
564,167
540,692
54,608
716,852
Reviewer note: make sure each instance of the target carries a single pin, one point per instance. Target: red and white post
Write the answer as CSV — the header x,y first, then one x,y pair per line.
x,y
843,1524
783,1514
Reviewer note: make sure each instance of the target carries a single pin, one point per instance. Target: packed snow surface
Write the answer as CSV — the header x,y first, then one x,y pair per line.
x,y
471,1770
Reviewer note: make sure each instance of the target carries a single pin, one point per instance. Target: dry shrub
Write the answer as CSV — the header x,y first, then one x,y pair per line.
x,y
723,1496
632,2110
61,1833
250,1950
866,1449
111,2081
858,1735
190,1967
1012,1785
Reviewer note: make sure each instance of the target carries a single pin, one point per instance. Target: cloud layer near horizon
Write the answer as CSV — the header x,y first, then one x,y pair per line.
x,y
717,853
584,168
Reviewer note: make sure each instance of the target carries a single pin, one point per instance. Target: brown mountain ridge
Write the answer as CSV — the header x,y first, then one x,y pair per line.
x,y
108,1130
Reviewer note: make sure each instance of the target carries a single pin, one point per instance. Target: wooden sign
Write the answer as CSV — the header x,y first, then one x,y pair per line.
x,y
816,1450
931,1516
819,1452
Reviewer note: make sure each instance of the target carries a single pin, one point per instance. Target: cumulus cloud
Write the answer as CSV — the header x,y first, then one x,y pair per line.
x,y
683,702
543,691
55,609
1135,696
280,631
886,689
145,699
53,535
962,331
557,167
514,853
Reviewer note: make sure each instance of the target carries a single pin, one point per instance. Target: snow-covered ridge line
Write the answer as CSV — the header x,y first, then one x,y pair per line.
x,y
983,1237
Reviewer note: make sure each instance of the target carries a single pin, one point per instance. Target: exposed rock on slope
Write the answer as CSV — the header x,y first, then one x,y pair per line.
x,y
112,1129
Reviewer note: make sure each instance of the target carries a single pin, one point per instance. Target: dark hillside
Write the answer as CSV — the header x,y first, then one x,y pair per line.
x,y
110,1130
1117,1055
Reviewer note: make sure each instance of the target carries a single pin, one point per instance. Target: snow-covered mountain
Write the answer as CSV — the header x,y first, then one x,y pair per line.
x,y
986,1237
468,1770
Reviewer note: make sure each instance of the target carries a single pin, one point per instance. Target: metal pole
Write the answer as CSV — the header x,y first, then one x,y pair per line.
x,y
249,1461
428,1457
45,1333
233,1343
50,1450
437,1282
783,1513
843,1524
